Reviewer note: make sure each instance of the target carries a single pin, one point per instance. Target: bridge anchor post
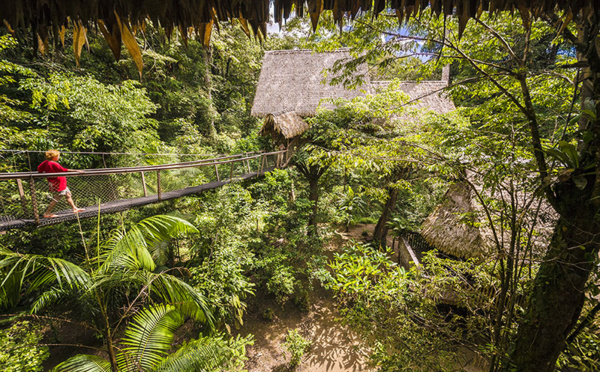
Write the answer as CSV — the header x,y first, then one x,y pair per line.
x,y
217,172
158,190
144,184
22,196
36,213
262,164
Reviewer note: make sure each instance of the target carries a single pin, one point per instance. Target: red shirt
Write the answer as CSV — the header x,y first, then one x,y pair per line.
x,y
57,184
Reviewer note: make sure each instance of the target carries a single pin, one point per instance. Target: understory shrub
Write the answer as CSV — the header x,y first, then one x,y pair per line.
x,y
297,346
20,350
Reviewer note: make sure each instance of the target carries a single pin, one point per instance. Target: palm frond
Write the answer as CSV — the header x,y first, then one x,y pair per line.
x,y
188,299
135,242
38,266
164,227
205,354
84,363
39,271
10,291
148,337
49,297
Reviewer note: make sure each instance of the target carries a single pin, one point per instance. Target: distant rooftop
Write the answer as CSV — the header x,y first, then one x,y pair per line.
x,y
292,81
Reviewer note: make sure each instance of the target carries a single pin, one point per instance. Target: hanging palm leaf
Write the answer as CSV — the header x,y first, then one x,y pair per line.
x,y
148,338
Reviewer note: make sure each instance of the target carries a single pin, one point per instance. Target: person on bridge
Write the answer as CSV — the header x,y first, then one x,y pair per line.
x,y
58,185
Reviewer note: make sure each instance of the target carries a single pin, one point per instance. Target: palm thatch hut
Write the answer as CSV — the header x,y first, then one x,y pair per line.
x,y
453,226
283,127
294,81
291,86
424,96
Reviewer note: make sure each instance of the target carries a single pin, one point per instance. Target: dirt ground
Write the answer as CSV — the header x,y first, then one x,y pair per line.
x,y
335,348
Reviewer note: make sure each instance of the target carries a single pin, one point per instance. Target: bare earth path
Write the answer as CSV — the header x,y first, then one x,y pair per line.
x,y
334,347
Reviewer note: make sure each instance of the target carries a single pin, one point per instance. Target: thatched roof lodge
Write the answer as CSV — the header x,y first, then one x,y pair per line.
x,y
453,226
283,127
293,81
292,84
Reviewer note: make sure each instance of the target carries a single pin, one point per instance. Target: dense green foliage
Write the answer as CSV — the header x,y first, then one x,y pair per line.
x,y
20,351
137,277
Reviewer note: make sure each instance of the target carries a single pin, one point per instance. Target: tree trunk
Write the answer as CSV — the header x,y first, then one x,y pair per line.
x,y
382,228
111,354
313,174
558,293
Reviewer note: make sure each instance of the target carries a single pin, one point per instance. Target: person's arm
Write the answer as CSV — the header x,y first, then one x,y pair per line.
x,y
74,170
60,168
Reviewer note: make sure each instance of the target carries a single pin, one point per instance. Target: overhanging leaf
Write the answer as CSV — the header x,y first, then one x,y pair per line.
x,y
61,33
78,40
207,33
112,37
130,43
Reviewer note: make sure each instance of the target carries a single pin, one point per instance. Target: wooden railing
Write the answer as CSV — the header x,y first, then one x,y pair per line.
x,y
411,248
103,184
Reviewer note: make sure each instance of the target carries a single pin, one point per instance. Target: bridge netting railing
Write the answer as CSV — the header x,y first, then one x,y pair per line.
x,y
26,195
27,160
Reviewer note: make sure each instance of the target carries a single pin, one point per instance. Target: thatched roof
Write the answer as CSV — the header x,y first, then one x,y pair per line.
x,y
117,19
450,227
293,80
424,95
181,14
288,125
458,226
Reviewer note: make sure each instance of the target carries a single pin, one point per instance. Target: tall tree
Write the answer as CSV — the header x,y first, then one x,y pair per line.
x,y
519,72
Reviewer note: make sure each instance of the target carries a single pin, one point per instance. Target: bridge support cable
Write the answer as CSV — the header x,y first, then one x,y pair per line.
x,y
119,189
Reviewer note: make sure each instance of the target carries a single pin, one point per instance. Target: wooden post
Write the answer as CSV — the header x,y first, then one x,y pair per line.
x,y
262,163
22,196
158,190
231,173
144,184
36,213
217,172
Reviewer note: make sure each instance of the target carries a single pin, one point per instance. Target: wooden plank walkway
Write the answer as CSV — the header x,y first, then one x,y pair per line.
x,y
125,204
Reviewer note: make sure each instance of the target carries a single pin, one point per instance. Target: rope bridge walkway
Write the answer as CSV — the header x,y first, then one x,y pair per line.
x,y
24,196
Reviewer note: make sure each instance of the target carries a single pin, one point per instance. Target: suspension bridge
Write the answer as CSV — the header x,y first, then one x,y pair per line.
x,y
24,196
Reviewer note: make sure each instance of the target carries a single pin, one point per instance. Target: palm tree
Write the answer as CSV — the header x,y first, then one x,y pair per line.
x,y
111,286
147,340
